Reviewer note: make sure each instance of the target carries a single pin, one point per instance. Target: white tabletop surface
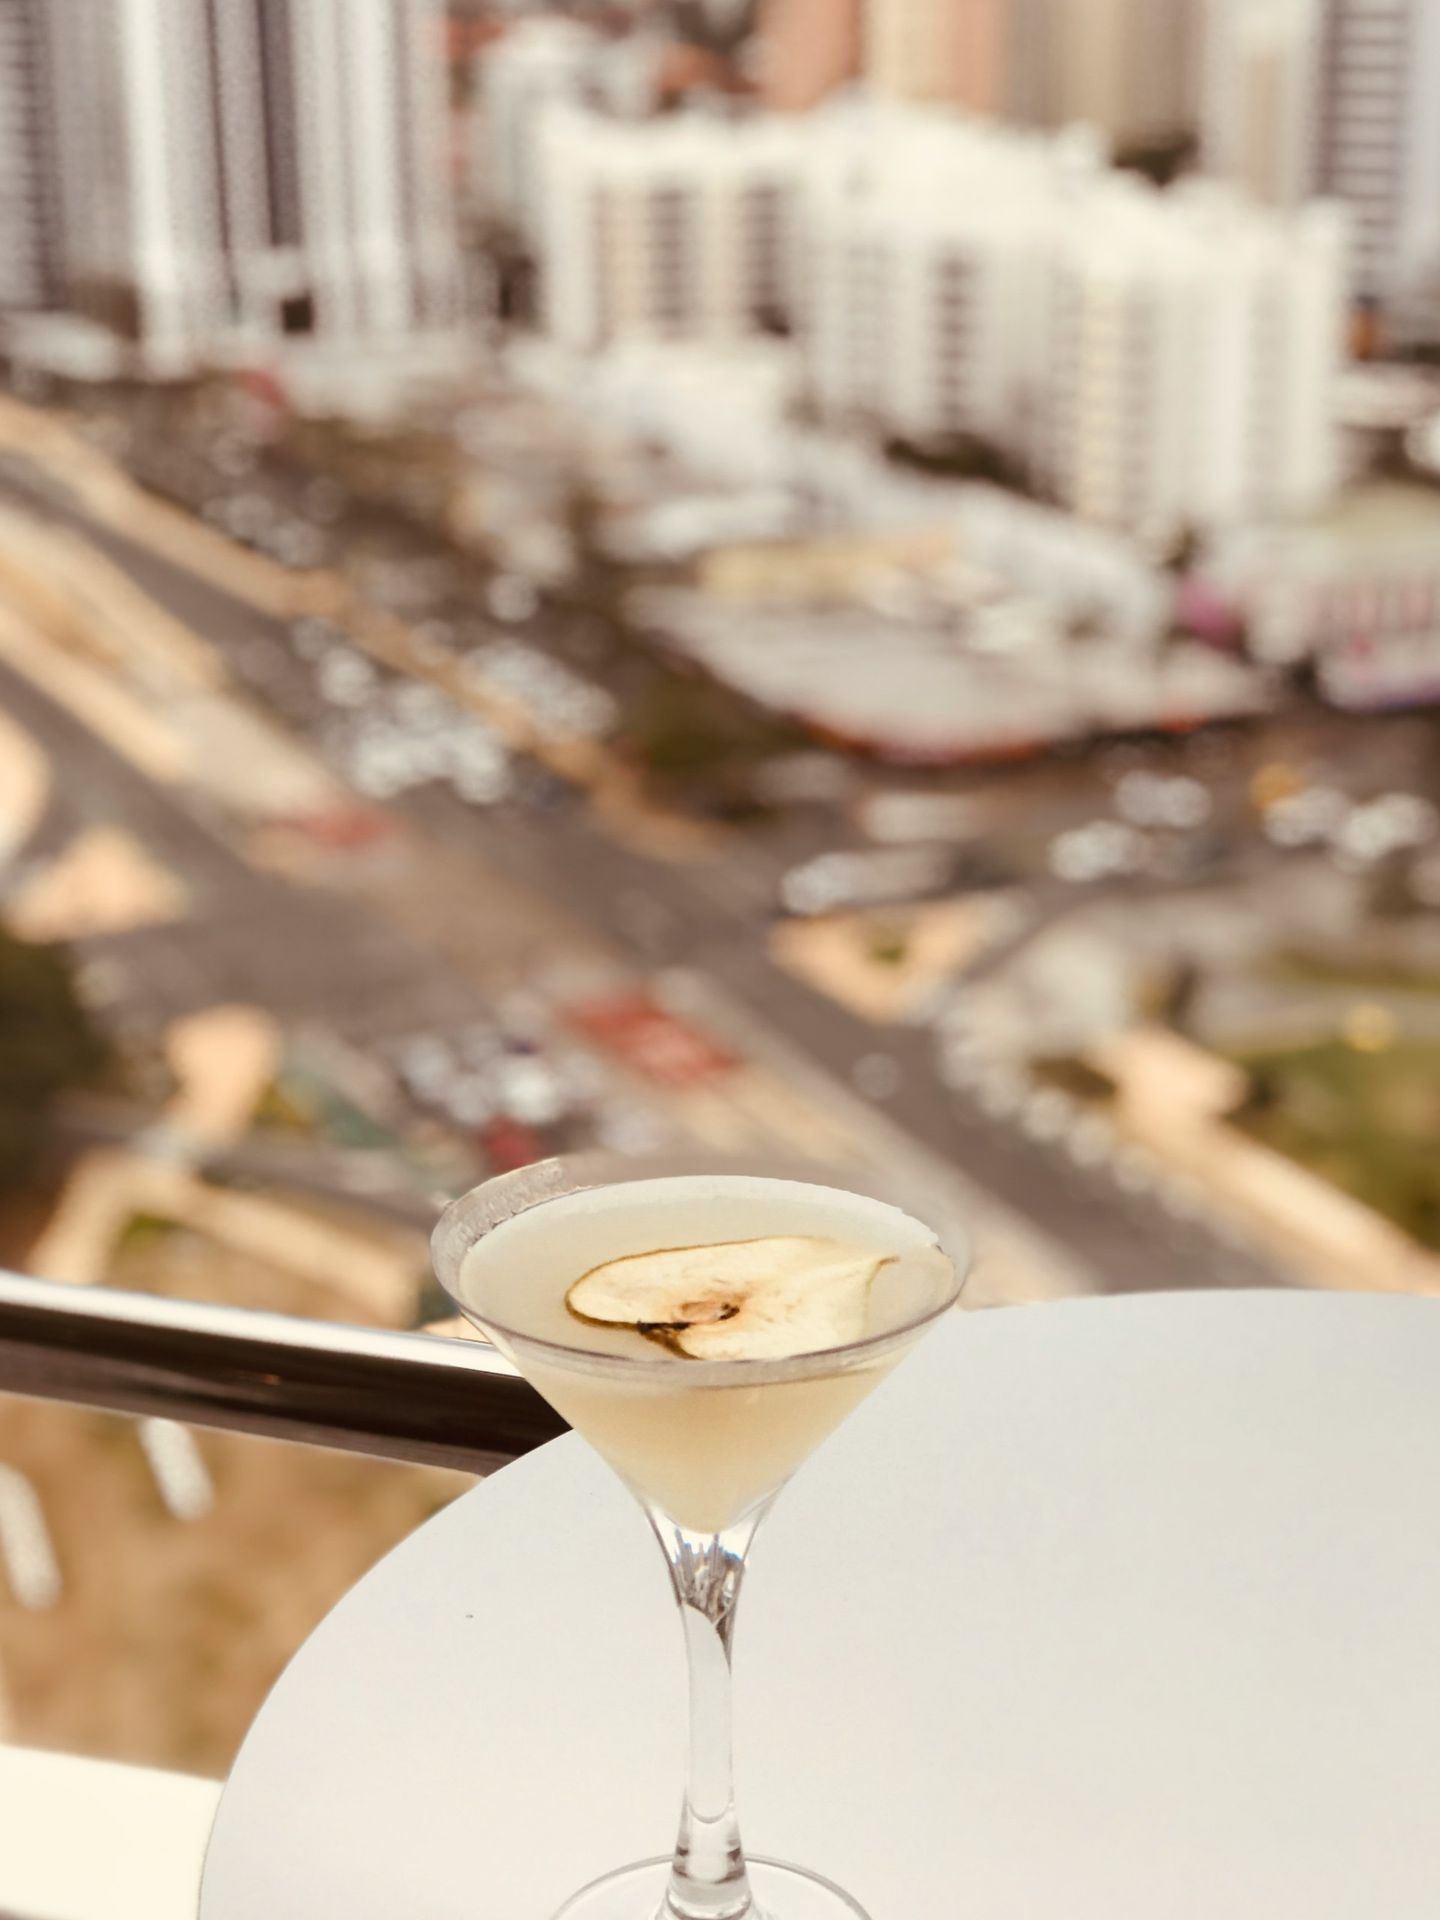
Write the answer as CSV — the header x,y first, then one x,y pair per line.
x,y
1112,1610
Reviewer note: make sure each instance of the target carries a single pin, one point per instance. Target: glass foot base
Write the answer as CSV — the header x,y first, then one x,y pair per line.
x,y
781,1893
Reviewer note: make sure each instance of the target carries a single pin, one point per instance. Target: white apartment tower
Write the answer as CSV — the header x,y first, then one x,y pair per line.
x,y
1261,96
1157,360
537,63
234,170
669,229
1194,344
925,242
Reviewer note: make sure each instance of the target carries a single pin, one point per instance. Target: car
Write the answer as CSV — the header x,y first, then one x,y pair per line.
x,y
297,546
432,642
415,704
1048,1114
838,880
1176,801
623,1128
312,637
427,1066
512,598
1102,850
480,1044
470,1100
481,783
1392,823
531,1091
345,678
235,456
380,769
324,500
877,1076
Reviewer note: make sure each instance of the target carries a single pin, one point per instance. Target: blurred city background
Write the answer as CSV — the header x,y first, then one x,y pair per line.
x,y
859,576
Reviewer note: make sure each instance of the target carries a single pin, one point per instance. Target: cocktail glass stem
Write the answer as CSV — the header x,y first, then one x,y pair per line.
x,y
708,1880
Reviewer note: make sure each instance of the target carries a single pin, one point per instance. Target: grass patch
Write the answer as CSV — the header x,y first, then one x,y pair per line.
x,y
889,946
143,1230
1375,976
1075,1077
1366,1122
287,1108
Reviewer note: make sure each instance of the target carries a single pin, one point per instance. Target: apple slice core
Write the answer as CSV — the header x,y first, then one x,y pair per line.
x,y
736,1299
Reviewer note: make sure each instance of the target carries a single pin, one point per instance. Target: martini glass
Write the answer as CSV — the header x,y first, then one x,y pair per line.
x,y
704,1445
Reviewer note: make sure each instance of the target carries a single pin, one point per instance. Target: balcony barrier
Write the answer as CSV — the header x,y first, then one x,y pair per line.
x,y
402,1396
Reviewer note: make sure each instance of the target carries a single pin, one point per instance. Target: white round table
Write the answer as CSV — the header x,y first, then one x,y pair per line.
x,y
1114,1610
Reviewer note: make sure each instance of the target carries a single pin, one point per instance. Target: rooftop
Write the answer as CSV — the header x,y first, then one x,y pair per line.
x,y
920,693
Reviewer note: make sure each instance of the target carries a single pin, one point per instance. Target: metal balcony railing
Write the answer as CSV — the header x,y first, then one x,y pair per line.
x,y
402,1396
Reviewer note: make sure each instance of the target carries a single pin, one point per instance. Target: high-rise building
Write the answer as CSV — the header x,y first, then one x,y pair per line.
x,y
1378,137
1031,67
30,243
234,170
1128,68
669,229
806,49
1338,98
953,51
1156,360
136,126
534,64
1194,345
924,250
1260,98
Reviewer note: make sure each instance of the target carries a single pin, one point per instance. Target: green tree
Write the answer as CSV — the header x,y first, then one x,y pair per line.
x,y
47,1043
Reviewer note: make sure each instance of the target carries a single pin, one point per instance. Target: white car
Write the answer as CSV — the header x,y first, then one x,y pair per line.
x,y
427,1066
531,1091
471,1101
345,678
482,782
1163,800
1103,850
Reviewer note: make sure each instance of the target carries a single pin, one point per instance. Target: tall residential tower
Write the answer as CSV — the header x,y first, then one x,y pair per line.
x,y
1378,136
807,49
950,51
1261,96
1157,360
234,170
1340,99
1129,68
31,267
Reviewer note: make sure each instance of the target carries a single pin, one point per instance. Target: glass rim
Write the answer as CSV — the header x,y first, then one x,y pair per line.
x,y
468,1218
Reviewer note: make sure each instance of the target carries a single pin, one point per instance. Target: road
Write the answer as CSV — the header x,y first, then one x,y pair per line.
x,y
709,917
250,936
416,936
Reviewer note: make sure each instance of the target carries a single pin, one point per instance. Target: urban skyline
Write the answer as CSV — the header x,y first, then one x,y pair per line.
x,y
845,578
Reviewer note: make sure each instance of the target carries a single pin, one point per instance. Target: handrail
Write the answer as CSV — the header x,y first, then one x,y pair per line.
x,y
404,1396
